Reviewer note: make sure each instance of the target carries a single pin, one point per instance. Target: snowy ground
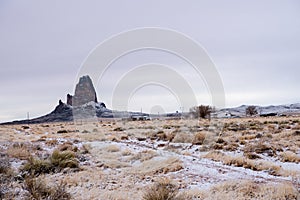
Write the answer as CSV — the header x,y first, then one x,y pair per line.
x,y
119,160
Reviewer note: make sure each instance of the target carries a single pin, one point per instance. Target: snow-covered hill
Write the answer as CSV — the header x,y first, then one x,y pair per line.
x,y
240,111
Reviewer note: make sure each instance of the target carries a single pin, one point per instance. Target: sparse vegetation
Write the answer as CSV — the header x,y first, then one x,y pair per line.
x,y
163,190
118,164
64,159
251,110
248,189
37,166
289,156
202,111
57,161
199,138
19,150
38,189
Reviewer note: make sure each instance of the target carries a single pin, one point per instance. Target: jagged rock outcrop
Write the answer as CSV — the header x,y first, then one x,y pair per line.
x,y
84,92
83,105
69,99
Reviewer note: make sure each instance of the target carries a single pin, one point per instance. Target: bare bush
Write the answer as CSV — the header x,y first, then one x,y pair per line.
x,y
202,111
251,110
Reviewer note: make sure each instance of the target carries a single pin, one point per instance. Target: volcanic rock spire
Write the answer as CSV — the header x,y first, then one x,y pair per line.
x,y
84,92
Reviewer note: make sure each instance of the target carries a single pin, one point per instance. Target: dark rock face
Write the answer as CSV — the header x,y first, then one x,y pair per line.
x,y
84,92
69,99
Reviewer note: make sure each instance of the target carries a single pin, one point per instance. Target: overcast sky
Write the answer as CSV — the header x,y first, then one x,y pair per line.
x,y
255,46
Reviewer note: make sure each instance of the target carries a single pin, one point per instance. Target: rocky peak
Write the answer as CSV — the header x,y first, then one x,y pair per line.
x,y
84,92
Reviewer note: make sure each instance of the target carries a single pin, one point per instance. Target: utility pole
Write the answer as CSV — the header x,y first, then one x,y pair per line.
x,y
28,118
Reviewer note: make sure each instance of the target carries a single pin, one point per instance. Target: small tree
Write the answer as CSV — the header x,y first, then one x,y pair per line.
x,y
201,111
251,110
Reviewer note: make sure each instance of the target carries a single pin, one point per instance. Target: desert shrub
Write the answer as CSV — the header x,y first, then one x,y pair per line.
x,y
67,146
260,148
198,138
19,150
118,129
25,127
167,126
163,190
38,189
37,167
251,110
62,131
252,155
57,161
4,165
64,159
231,147
162,136
201,111
51,142
183,137
248,189
126,152
289,156
6,176
171,136
240,161
124,137
296,133
144,155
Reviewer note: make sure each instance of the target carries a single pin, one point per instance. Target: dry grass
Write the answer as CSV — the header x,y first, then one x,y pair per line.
x,y
38,189
164,189
112,148
199,138
37,167
52,142
144,155
57,161
19,150
133,164
158,166
6,177
240,161
260,148
289,156
183,137
246,190
126,152
64,159
67,146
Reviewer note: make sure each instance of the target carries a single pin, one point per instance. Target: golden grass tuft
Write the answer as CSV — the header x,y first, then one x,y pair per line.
x,y
38,189
64,159
182,137
112,148
37,167
198,138
246,189
19,150
240,161
163,190
289,156
159,166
